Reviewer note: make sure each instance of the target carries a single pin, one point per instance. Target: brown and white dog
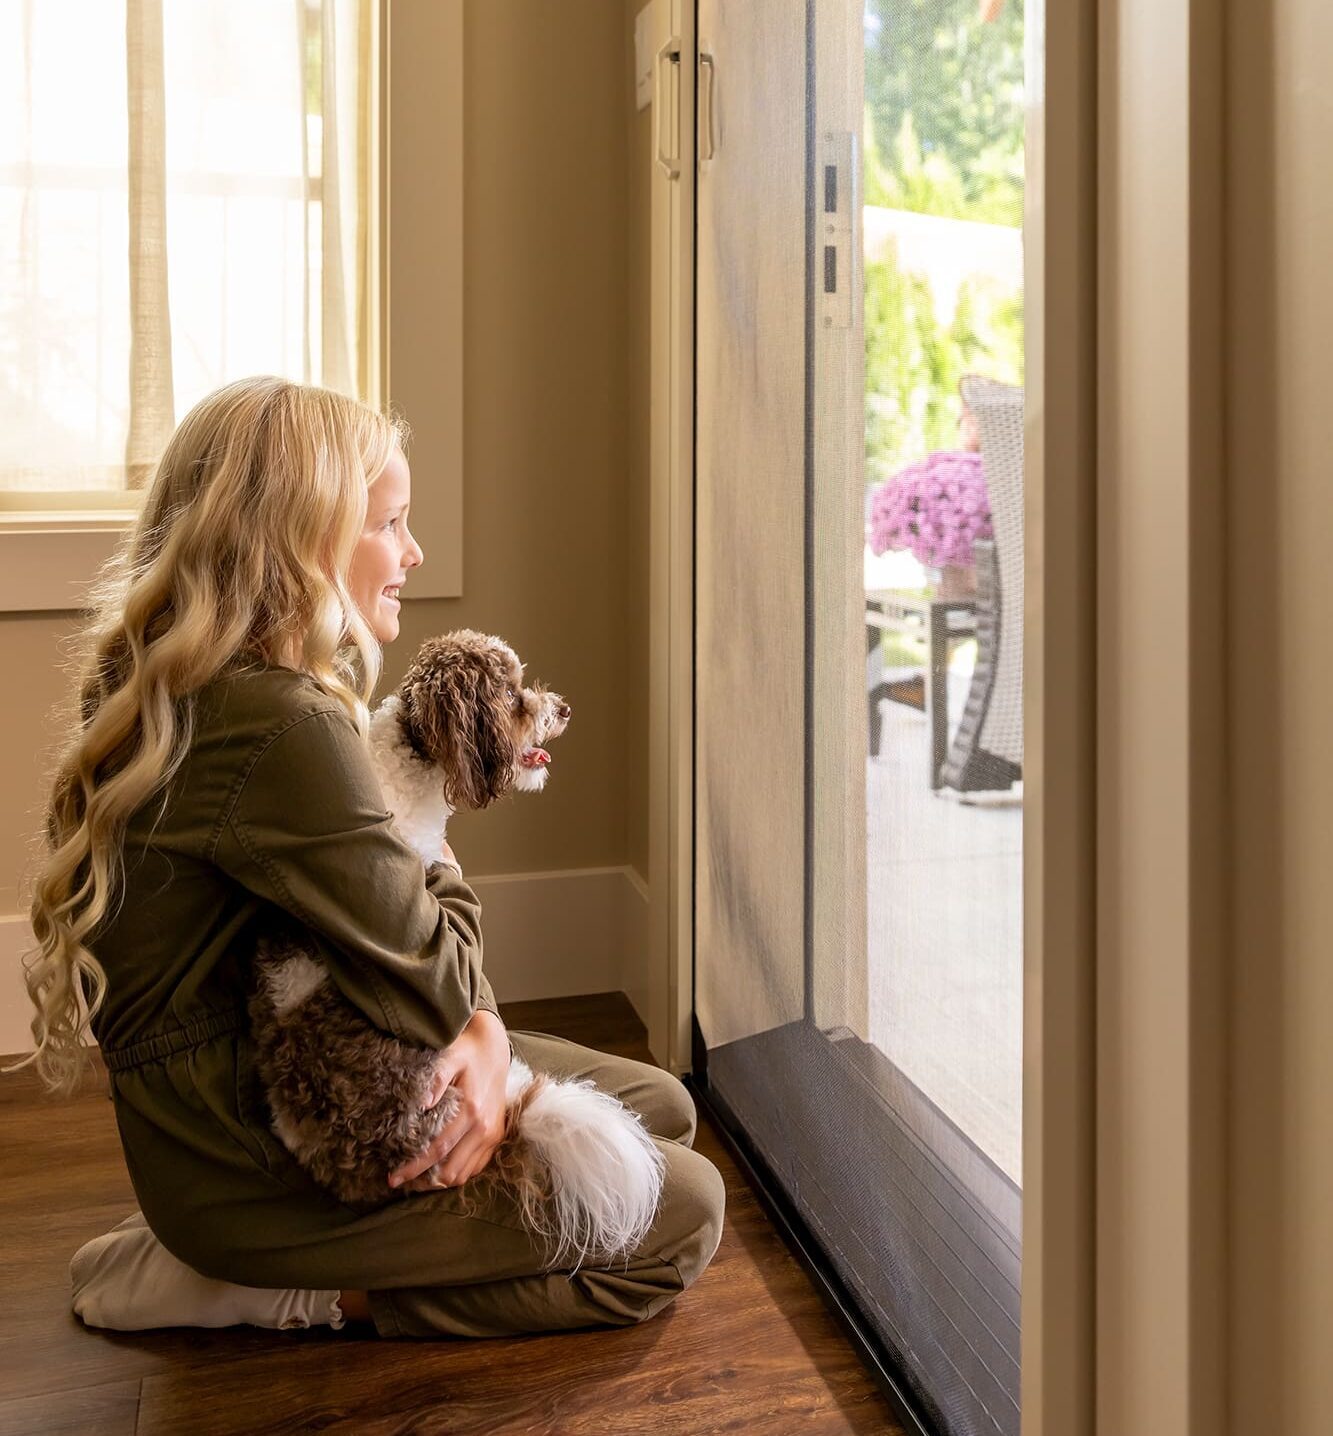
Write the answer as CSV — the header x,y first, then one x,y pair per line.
x,y
461,730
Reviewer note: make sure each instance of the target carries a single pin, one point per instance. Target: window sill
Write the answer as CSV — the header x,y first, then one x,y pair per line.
x,y
49,558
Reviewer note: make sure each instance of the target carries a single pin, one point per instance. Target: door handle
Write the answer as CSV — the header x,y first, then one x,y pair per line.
x,y
708,144
668,164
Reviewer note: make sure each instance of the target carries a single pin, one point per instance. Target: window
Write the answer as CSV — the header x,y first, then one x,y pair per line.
x,y
184,200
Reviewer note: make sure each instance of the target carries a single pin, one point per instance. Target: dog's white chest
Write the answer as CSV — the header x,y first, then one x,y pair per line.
x,y
413,789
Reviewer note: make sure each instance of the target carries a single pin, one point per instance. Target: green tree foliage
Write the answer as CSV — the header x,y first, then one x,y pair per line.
x,y
947,86
914,363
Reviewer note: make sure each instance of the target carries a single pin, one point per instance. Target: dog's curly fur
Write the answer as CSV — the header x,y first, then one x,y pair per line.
x,y
346,1098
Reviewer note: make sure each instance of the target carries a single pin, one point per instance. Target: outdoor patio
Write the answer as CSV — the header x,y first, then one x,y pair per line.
x,y
944,883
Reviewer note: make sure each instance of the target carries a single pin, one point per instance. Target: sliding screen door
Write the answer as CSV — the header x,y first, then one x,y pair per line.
x,y
859,651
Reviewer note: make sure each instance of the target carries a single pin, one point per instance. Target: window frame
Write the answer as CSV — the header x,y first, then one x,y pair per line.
x,y
53,544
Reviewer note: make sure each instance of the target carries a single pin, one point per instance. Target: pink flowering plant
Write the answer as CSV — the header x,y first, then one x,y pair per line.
x,y
935,508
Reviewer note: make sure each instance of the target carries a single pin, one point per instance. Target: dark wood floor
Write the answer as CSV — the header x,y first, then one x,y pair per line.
x,y
748,1348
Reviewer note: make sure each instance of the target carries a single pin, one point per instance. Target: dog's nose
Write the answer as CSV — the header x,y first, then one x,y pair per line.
x,y
563,711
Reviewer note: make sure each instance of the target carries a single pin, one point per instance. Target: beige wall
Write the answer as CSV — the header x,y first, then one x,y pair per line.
x,y
30,650
545,388
555,459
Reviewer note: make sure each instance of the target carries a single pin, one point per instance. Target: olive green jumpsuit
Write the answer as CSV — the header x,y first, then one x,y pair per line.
x,y
277,805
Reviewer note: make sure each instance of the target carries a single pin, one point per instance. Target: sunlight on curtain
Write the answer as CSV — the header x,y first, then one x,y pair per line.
x,y
164,168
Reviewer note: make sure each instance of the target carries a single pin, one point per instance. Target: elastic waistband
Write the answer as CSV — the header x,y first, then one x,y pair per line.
x,y
176,1039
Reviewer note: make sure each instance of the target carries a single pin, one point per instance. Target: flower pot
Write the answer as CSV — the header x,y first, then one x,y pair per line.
x,y
955,581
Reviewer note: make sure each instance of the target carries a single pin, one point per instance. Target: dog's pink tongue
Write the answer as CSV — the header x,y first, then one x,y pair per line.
x,y
536,758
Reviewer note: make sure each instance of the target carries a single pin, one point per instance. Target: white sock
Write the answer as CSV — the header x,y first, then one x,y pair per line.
x,y
128,1281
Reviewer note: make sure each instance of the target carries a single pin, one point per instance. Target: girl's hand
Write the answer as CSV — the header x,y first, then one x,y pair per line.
x,y
477,1063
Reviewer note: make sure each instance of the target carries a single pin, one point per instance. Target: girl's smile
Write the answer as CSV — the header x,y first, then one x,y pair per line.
x,y
385,551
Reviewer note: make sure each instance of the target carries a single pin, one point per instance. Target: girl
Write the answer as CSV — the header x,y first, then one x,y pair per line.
x,y
218,769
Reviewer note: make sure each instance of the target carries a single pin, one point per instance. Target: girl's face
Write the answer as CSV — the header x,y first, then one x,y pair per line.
x,y
385,551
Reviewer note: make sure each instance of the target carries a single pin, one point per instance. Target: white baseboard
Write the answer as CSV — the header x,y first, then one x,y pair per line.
x,y
565,933
555,934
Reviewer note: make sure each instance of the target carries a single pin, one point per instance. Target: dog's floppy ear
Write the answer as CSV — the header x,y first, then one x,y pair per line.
x,y
456,701
491,773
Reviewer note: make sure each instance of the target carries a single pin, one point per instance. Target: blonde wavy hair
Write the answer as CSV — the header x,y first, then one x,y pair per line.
x,y
240,556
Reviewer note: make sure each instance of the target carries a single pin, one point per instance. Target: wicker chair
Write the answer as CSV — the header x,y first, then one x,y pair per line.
x,y
987,751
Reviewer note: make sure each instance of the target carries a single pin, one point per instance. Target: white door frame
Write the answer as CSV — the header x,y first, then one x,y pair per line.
x,y
670,995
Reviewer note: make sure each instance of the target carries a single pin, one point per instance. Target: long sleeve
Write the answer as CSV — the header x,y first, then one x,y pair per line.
x,y
308,831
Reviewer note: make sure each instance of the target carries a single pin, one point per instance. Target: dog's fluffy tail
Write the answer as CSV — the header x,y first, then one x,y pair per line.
x,y
590,1176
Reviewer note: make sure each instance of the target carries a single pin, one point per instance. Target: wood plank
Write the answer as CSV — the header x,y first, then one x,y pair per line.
x,y
111,1409
750,1346
604,1020
65,1182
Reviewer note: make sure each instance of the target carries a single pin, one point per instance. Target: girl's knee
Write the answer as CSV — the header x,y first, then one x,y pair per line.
x,y
663,1102
688,1229
673,1112
683,1240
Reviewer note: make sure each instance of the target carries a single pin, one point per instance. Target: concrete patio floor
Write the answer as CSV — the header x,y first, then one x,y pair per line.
x,y
945,935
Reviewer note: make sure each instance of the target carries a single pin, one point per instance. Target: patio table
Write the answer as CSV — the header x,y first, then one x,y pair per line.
x,y
941,622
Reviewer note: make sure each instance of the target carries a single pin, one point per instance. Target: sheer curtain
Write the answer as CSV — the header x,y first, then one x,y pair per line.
x,y
184,200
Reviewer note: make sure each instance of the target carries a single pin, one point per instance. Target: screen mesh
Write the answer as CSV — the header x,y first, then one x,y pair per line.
x,y
859,599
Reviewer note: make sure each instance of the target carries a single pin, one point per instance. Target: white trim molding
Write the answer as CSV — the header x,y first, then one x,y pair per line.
x,y
49,559
669,990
